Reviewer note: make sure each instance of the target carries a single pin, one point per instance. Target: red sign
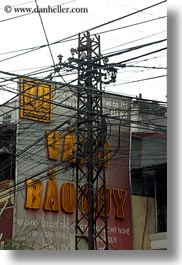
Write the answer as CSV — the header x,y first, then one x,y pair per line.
x,y
6,224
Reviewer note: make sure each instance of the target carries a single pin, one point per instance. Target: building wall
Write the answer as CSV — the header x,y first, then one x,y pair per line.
x,y
6,226
148,149
49,229
158,241
55,230
9,112
148,116
143,221
7,181
148,152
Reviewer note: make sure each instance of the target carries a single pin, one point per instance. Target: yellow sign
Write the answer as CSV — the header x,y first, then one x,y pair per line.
x,y
65,199
53,139
33,194
64,149
54,142
35,100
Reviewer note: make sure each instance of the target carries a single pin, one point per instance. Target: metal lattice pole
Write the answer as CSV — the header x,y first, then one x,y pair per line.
x,y
91,132
91,213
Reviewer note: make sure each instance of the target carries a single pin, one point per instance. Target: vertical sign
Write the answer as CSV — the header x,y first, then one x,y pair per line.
x,y
35,100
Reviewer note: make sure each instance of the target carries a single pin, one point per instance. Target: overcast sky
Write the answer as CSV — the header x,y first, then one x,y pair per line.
x,y
146,75
26,32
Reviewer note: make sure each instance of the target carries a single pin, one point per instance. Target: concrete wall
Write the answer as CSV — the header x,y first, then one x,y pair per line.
x,y
143,220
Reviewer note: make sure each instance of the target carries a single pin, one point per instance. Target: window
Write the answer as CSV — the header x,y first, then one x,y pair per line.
x,y
7,118
152,182
7,152
7,164
143,182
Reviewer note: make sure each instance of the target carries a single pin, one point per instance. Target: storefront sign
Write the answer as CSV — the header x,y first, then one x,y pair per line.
x,y
65,199
64,148
35,100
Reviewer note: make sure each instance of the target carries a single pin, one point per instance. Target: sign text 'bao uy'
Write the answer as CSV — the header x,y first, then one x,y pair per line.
x,y
53,200
64,200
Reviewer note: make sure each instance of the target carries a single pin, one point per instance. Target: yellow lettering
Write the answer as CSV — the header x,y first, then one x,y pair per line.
x,y
68,195
53,144
33,198
119,198
108,202
33,194
51,201
68,153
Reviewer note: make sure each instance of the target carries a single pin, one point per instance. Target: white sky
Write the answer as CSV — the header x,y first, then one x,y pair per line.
x,y
27,31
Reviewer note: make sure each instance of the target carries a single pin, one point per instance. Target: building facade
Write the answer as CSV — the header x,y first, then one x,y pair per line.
x,y
149,175
43,206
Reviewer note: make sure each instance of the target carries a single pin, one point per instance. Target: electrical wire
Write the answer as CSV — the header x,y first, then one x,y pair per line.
x,y
59,41
141,80
131,25
114,54
128,15
41,139
118,152
43,27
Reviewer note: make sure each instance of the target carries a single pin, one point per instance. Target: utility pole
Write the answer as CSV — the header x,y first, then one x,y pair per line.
x,y
91,137
91,176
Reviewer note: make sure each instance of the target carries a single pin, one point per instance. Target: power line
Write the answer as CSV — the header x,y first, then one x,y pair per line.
x,y
115,53
116,158
131,25
64,106
15,76
136,40
141,80
31,49
148,67
117,64
56,42
111,54
128,15
45,34
31,150
137,57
